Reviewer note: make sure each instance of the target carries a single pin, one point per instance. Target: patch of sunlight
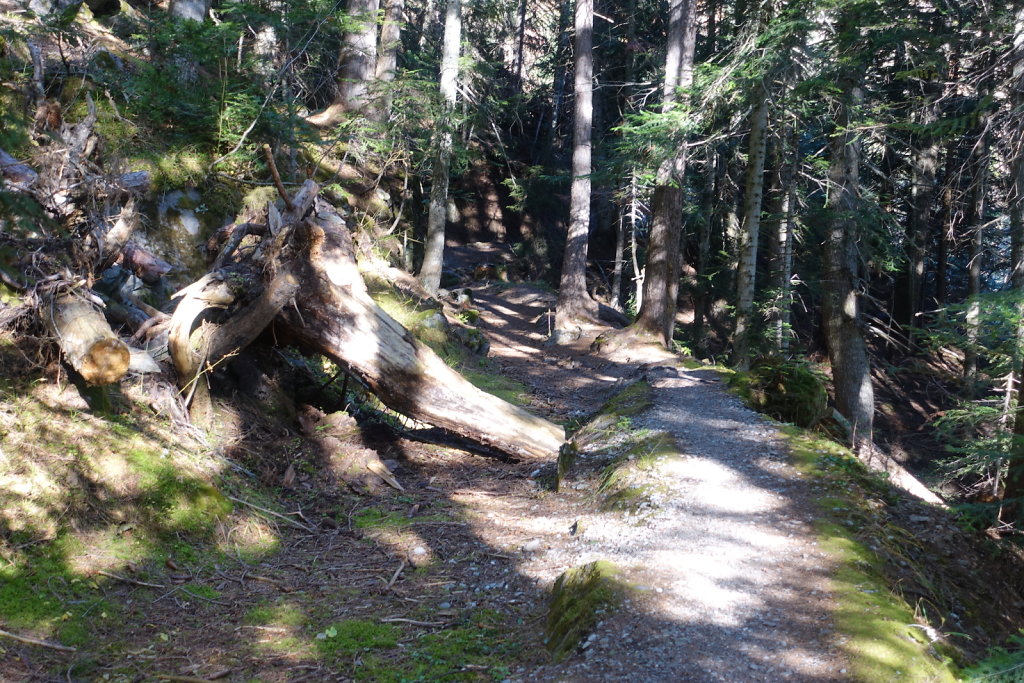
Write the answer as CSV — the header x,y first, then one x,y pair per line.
x,y
279,627
108,549
247,535
715,488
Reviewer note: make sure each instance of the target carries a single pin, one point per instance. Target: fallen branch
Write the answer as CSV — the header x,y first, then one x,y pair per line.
x,y
414,622
398,572
36,641
128,580
287,520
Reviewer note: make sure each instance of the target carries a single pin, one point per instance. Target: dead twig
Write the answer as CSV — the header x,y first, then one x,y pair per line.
x,y
128,580
287,520
269,156
398,572
36,641
414,622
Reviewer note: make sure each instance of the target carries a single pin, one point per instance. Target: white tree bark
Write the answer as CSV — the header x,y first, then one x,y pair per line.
x,y
746,276
433,252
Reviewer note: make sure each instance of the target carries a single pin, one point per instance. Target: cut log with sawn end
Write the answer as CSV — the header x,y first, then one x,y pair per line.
x,y
86,340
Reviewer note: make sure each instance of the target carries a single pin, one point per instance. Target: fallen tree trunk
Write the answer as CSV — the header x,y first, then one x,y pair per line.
x,y
86,340
335,316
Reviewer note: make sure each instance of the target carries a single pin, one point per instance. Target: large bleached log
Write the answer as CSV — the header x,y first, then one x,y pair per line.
x,y
86,340
315,295
336,316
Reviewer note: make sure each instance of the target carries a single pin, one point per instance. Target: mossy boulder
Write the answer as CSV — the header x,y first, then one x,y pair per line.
x,y
788,390
626,483
580,598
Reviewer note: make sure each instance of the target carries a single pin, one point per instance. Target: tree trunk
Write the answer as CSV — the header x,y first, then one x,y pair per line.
x,y
787,164
1013,485
746,275
338,318
357,64
851,370
433,252
575,305
656,318
924,166
86,340
976,212
335,316
387,55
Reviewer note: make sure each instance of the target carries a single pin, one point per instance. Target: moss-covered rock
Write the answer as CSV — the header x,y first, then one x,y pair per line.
x,y
580,597
608,419
788,390
625,483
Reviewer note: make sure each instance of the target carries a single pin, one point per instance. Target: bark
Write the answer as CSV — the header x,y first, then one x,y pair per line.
x,y
948,228
620,262
977,212
558,83
787,163
746,275
86,340
925,164
702,301
387,55
656,318
16,175
357,65
1013,484
851,370
433,252
335,316
575,306
338,318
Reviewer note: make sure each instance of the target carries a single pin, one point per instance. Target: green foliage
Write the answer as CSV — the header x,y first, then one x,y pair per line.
x,y
978,432
790,390
1002,665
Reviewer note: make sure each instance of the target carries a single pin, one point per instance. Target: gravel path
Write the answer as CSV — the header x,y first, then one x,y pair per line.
x,y
732,585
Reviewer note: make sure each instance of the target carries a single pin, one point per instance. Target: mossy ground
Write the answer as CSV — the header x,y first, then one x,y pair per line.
x,y
88,498
884,637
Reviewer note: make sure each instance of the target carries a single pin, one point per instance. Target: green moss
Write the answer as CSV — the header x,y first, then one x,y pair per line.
x,y
503,387
371,518
580,597
40,594
882,642
200,590
176,501
624,484
277,613
788,390
346,638
631,401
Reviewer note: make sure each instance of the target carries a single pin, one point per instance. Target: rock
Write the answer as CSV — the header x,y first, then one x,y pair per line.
x,y
532,546
579,598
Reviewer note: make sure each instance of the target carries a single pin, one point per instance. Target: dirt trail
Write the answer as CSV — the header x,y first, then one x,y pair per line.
x,y
732,583
449,579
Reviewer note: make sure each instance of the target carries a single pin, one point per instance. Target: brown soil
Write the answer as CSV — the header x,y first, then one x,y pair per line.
x,y
730,584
